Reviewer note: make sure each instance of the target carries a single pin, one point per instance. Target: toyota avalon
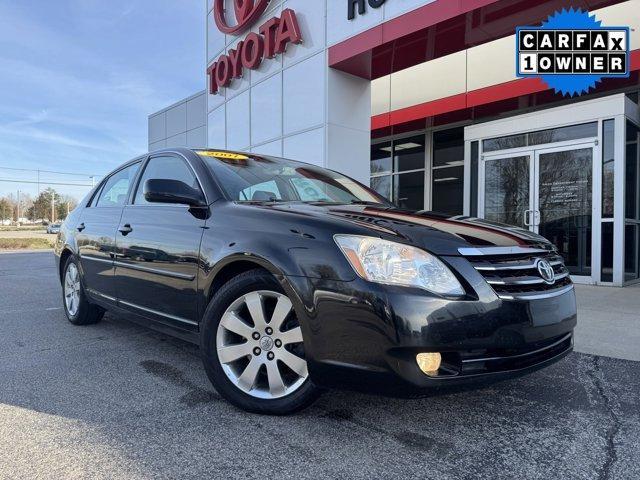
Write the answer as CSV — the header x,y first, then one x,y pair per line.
x,y
293,279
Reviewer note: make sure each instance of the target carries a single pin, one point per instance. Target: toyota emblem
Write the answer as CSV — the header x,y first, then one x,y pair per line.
x,y
246,12
546,271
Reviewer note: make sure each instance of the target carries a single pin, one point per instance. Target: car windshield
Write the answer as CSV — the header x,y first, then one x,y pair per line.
x,y
267,179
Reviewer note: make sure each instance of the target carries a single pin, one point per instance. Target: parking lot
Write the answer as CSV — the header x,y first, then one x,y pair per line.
x,y
118,401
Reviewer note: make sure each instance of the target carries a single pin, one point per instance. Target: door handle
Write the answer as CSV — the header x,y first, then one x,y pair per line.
x,y
536,218
125,229
527,220
81,227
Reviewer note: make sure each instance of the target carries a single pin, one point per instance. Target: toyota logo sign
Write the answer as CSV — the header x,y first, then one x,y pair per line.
x,y
546,271
246,11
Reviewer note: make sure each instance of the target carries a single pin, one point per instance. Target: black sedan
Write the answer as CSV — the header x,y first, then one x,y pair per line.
x,y
293,278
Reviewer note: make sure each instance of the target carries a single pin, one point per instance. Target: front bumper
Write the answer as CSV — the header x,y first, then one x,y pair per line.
x,y
365,336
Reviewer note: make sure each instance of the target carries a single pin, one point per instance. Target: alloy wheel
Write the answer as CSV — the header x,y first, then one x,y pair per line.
x,y
72,290
259,345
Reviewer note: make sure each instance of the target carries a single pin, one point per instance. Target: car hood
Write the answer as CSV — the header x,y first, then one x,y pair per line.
x,y
438,233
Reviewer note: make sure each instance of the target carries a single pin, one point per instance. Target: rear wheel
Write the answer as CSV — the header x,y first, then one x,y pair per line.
x,y
76,306
253,349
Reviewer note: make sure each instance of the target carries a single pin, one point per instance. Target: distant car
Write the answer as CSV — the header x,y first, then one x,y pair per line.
x,y
292,278
53,228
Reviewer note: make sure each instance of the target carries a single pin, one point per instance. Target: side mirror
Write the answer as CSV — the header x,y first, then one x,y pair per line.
x,y
172,191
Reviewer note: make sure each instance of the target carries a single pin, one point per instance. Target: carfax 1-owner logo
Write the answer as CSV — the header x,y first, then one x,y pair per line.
x,y
572,51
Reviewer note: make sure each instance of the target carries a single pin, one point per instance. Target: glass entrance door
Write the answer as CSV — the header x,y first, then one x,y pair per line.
x,y
563,211
508,191
548,191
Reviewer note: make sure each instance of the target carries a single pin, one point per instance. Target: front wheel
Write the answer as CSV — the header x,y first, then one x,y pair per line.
x,y
253,349
76,306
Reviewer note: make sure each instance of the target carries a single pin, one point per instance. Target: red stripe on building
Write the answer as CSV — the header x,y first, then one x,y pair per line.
x,y
474,98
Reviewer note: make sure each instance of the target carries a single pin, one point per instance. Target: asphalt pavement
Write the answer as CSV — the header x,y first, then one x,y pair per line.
x,y
115,400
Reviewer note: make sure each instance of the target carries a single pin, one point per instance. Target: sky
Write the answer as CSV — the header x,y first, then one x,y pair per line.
x,y
78,79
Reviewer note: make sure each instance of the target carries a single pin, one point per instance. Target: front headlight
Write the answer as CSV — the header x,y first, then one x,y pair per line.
x,y
393,263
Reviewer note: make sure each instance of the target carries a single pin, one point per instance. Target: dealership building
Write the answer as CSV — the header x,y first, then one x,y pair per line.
x,y
420,100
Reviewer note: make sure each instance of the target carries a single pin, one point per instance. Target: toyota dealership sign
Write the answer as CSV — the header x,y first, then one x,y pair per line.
x,y
273,37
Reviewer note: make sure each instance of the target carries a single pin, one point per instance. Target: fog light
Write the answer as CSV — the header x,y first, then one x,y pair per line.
x,y
429,363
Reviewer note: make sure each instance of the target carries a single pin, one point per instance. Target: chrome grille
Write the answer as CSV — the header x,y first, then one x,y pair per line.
x,y
513,272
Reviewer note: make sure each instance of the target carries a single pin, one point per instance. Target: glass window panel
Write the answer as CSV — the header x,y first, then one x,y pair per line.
x,y
116,188
165,168
632,132
608,164
507,190
448,190
408,191
269,190
631,252
448,148
504,143
631,180
382,185
381,158
562,134
606,274
565,195
572,132
409,153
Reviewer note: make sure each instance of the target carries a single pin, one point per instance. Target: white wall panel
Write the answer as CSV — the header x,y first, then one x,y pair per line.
x,y
176,119
266,110
342,28
349,100
304,86
217,128
346,149
444,77
381,95
216,40
311,17
238,122
197,138
179,140
500,55
626,14
157,127
272,148
157,145
306,147
196,112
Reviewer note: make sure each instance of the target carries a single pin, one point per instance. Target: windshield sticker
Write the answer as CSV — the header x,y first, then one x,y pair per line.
x,y
223,155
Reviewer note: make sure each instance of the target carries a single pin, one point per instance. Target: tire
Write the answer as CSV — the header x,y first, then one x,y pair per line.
x,y
74,299
266,374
